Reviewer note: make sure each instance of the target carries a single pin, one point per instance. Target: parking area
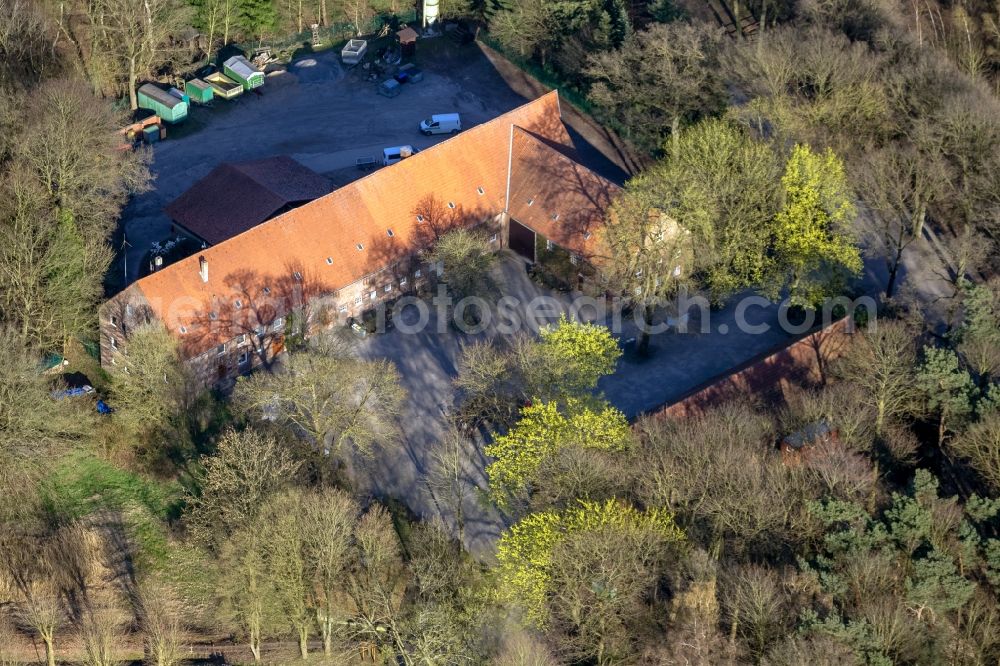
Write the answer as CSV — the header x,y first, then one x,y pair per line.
x,y
324,117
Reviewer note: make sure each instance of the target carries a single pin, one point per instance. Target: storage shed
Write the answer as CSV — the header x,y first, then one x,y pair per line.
x,y
168,107
242,71
199,91
407,40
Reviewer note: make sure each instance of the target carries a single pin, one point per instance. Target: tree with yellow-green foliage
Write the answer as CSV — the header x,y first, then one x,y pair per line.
x,y
813,247
582,573
575,355
545,428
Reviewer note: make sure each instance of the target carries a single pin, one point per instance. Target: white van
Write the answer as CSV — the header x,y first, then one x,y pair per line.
x,y
441,123
397,153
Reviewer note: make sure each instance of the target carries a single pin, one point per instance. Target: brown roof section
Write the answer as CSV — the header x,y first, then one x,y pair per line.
x,y
803,363
237,197
361,213
555,195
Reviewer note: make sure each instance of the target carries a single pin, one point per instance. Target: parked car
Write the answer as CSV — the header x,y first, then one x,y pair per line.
x,y
397,154
441,123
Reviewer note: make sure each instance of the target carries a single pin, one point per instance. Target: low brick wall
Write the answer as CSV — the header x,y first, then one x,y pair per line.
x,y
804,363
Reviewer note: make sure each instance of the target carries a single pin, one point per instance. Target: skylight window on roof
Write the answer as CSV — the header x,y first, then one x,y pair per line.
x,y
586,235
389,231
267,290
420,218
297,275
213,315
237,304
451,204
183,330
360,246
329,261
531,201
555,217
480,190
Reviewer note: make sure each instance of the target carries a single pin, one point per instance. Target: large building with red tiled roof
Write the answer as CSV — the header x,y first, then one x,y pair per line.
x,y
343,253
234,198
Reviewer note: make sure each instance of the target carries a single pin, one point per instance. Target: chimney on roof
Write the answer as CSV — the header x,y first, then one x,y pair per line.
x,y
203,268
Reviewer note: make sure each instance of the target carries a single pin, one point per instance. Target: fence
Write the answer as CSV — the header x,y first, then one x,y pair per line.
x,y
333,33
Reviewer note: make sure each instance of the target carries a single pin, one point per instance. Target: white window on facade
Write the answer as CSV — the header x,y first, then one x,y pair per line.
x,y
417,273
357,301
373,294
402,281
221,349
279,323
244,358
549,245
113,320
493,238
342,308
387,288
573,259
113,343
241,339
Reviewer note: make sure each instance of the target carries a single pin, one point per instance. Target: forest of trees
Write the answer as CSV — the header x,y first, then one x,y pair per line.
x,y
841,132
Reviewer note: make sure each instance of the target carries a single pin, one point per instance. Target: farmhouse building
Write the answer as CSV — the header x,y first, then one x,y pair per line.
x,y
236,197
230,305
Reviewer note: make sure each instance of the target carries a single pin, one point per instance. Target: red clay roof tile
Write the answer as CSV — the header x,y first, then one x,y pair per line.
x,y
301,240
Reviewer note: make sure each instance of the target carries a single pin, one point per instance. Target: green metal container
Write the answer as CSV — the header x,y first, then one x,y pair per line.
x,y
242,71
168,107
199,91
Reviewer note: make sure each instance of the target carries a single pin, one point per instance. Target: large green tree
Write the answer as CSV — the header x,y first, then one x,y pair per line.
x,y
814,249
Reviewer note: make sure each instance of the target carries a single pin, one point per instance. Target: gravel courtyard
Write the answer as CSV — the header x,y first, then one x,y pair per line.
x,y
323,117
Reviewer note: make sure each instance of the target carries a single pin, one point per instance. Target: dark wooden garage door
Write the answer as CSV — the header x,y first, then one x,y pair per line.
x,y
522,240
